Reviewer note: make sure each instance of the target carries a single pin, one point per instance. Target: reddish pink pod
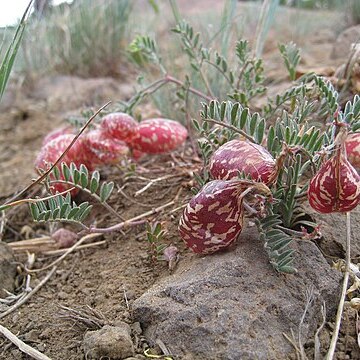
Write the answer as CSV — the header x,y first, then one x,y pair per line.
x,y
103,148
213,219
156,136
51,151
56,133
352,145
241,156
137,155
119,126
336,186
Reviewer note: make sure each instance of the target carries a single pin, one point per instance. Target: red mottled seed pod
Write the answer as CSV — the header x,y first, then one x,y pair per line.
x,y
137,155
336,186
352,145
156,136
51,151
56,133
213,219
102,149
119,126
241,156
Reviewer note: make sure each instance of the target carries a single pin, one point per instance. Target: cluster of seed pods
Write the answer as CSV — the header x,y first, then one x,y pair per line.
x,y
117,135
213,219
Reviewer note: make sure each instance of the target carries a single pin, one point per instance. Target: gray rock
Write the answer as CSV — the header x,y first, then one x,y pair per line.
x,y
7,269
109,342
333,230
344,41
233,305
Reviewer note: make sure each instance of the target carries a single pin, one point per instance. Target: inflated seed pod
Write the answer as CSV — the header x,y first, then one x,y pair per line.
x,y
352,145
156,136
56,133
119,126
336,186
103,149
213,219
241,156
52,150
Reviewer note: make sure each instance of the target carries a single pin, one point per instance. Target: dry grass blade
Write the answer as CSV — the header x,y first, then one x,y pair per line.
x,y
334,338
267,15
10,55
35,354
29,295
298,343
68,251
317,353
84,318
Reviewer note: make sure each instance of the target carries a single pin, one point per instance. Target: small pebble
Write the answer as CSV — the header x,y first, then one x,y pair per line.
x,y
41,347
136,328
62,295
109,342
45,334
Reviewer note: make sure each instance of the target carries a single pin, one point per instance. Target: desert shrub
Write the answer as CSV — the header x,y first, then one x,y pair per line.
x,y
85,38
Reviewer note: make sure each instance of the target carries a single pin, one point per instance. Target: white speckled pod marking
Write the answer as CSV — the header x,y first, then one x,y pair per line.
x,y
213,219
119,126
238,155
156,136
336,186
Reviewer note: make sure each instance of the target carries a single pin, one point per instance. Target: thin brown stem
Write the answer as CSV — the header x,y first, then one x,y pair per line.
x,y
34,201
192,90
218,68
241,73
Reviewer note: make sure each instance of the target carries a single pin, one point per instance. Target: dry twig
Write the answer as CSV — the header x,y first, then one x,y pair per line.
x,y
29,295
68,251
22,346
331,351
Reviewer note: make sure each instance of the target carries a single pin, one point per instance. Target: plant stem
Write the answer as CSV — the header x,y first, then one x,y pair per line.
x,y
290,231
95,196
241,73
218,68
233,128
156,85
32,201
169,78
175,10
331,351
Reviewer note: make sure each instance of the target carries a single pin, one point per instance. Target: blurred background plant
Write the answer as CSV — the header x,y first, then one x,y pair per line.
x,y
7,59
85,38
89,38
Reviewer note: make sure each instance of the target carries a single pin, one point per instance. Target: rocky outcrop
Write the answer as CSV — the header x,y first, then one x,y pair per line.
x,y
233,305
